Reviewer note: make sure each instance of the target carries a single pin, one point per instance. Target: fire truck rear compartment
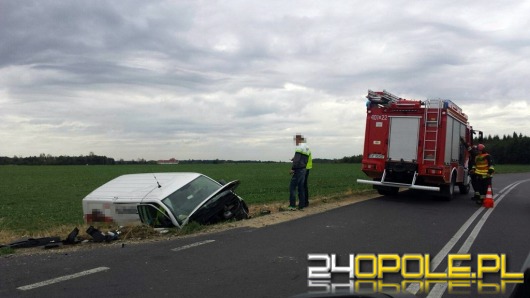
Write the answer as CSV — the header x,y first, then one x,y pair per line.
x,y
400,172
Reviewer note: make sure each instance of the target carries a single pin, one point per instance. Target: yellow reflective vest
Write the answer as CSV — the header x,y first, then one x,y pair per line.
x,y
303,149
483,164
309,160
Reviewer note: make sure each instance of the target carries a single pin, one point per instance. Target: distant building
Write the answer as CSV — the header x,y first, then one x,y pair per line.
x,y
170,161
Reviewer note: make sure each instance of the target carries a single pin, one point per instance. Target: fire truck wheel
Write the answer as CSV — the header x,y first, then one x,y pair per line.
x,y
448,191
387,190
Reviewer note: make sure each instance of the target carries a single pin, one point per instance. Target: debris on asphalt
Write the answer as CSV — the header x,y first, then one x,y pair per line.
x,y
32,242
71,239
98,236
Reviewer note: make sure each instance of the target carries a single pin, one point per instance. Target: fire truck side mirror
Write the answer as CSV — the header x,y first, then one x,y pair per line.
x,y
480,135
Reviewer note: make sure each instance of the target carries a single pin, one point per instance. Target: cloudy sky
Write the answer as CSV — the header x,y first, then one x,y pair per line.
x,y
237,79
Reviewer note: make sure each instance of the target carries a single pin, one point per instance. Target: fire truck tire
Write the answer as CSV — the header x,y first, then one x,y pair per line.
x,y
387,190
448,191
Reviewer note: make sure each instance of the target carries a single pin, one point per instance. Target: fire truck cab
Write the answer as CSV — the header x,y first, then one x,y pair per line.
x,y
415,144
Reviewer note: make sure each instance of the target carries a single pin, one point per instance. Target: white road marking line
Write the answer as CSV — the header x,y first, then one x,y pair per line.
x,y
437,260
192,245
62,278
415,287
439,289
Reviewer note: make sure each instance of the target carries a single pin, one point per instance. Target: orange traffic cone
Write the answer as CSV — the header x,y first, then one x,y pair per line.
x,y
488,201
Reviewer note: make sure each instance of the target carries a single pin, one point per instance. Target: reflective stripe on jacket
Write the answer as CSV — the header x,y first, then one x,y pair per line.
x,y
483,164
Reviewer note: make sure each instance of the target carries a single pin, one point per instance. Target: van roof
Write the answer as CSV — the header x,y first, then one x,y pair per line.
x,y
136,187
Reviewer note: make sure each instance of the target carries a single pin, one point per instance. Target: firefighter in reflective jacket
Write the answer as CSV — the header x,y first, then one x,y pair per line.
x,y
483,169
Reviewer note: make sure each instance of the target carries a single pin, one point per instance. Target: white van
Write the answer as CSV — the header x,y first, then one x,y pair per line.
x,y
163,200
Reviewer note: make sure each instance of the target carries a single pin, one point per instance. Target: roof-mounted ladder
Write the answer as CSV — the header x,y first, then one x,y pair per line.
x,y
383,98
432,118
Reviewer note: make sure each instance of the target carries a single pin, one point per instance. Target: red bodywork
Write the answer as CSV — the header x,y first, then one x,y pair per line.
x,y
415,144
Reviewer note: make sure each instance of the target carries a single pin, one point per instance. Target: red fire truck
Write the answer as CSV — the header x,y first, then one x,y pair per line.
x,y
415,144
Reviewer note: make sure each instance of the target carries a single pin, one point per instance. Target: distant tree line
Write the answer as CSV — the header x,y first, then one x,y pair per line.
x,y
92,159
220,161
508,149
345,159
47,159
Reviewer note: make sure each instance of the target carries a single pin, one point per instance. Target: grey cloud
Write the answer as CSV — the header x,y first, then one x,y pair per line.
x,y
178,75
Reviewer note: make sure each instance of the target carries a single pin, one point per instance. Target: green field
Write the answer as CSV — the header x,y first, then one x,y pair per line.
x,y
38,198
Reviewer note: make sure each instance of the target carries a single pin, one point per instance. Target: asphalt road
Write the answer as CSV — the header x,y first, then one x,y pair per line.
x,y
273,261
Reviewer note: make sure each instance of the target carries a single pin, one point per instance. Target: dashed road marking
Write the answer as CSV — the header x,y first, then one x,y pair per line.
x,y
192,245
62,278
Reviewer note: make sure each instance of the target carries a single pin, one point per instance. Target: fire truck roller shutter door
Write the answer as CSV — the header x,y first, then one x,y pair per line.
x,y
403,138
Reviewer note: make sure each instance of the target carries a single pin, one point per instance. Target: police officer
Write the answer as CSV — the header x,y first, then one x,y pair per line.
x,y
298,170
